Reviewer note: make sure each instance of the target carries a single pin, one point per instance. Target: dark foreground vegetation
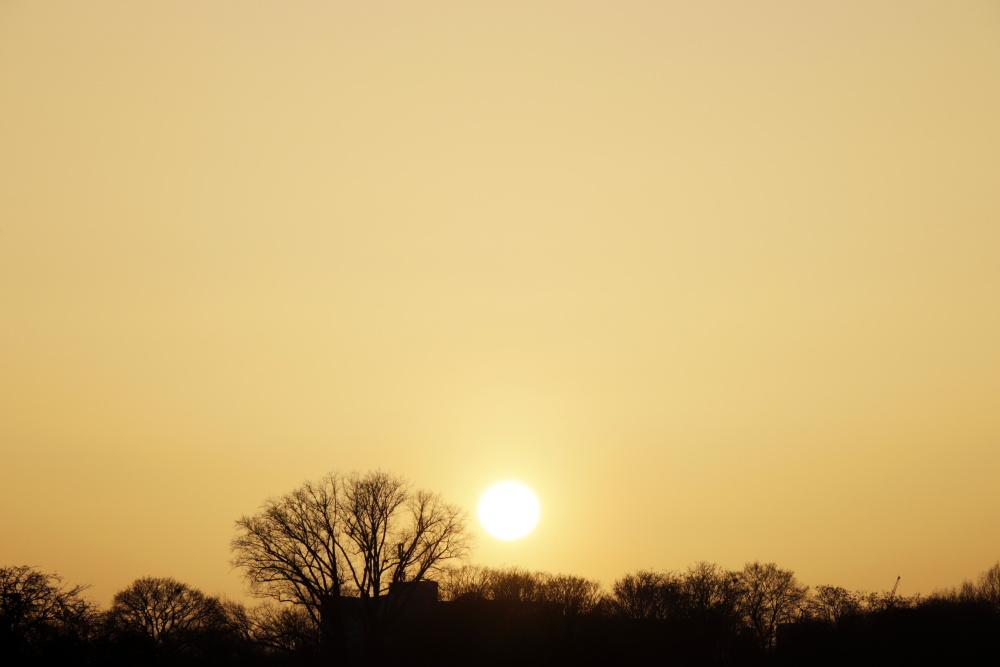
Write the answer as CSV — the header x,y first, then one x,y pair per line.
x,y
359,570
703,616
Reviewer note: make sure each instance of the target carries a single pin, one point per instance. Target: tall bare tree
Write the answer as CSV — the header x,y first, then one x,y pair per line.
x,y
288,550
347,535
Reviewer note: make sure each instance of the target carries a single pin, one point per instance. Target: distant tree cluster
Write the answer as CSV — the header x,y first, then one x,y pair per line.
x,y
573,595
361,570
154,620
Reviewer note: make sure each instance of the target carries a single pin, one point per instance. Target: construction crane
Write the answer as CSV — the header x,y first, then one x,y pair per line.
x,y
895,586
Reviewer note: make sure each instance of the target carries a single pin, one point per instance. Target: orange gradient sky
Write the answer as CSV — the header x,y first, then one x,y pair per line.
x,y
718,280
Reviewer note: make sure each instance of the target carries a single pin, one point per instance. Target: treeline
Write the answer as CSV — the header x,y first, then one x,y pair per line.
x,y
704,615
758,615
155,620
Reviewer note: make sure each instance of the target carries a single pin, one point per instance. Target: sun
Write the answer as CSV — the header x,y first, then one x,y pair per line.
x,y
508,510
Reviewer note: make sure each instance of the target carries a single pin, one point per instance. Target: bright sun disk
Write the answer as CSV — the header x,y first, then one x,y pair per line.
x,y
508,510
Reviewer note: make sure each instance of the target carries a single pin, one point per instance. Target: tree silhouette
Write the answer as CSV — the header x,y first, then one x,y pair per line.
x,y
468,581
986,588
705,615
347,535
646,594
832,604
513,584
574,595
165,612
282,629
39,615
770,596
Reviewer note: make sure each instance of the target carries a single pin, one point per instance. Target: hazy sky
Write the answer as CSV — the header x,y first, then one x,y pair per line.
x,y
719,280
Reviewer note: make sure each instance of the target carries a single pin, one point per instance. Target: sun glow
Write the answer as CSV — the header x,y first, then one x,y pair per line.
x,y
508,510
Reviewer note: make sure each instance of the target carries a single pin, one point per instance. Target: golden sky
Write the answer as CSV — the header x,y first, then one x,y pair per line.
x,y
719,280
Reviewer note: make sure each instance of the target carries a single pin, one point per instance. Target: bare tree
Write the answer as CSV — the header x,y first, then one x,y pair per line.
x,y
646,594
831,604
288,551
575,595
769,596
276,627
394,533
37,611
710,591
165,611
989,585
571,594
986,589
513,584
354,535
466,582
